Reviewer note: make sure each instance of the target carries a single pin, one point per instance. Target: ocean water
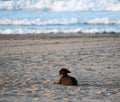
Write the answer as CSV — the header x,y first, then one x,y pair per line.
x,y
59,16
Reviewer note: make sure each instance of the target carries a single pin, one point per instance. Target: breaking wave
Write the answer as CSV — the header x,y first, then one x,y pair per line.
x,y
61,5
56,31
62,21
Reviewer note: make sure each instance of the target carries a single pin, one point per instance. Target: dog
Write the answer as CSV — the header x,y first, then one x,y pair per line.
x,y
65,79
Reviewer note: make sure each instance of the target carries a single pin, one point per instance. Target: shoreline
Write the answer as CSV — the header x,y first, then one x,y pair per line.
x,y
51,36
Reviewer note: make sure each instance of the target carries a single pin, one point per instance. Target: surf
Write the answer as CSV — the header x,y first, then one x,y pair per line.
x,y
61,5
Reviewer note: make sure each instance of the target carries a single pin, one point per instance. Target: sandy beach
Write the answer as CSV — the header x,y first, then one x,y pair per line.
x,y
29,64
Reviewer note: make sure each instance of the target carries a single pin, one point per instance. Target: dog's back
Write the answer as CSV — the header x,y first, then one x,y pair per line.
x,y
74,81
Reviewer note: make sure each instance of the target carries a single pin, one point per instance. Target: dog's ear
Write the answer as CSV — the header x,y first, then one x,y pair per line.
x,y
67,71
64,71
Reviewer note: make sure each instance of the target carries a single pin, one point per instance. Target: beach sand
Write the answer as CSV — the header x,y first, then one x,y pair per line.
x,y
29,64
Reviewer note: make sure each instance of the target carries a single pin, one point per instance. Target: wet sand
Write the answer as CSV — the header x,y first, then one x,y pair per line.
x,y
29,64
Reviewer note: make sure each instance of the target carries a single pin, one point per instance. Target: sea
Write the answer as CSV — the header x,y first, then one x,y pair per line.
x,y
59,16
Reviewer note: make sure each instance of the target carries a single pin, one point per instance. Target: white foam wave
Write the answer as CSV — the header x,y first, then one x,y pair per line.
x,y
38,21
38,31
62,21
62,5
56,31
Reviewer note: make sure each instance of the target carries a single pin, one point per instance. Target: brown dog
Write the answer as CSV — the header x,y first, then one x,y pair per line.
x,y
66,79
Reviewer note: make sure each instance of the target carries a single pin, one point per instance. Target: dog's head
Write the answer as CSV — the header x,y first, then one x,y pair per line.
x,y
64,71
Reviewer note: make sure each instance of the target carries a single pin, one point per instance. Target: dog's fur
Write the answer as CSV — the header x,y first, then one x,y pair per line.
x,y
66,79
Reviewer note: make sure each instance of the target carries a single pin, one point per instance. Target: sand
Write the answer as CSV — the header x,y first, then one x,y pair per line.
x,y
29,64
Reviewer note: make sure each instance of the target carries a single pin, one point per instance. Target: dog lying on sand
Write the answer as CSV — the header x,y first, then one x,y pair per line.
x,y
65,79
